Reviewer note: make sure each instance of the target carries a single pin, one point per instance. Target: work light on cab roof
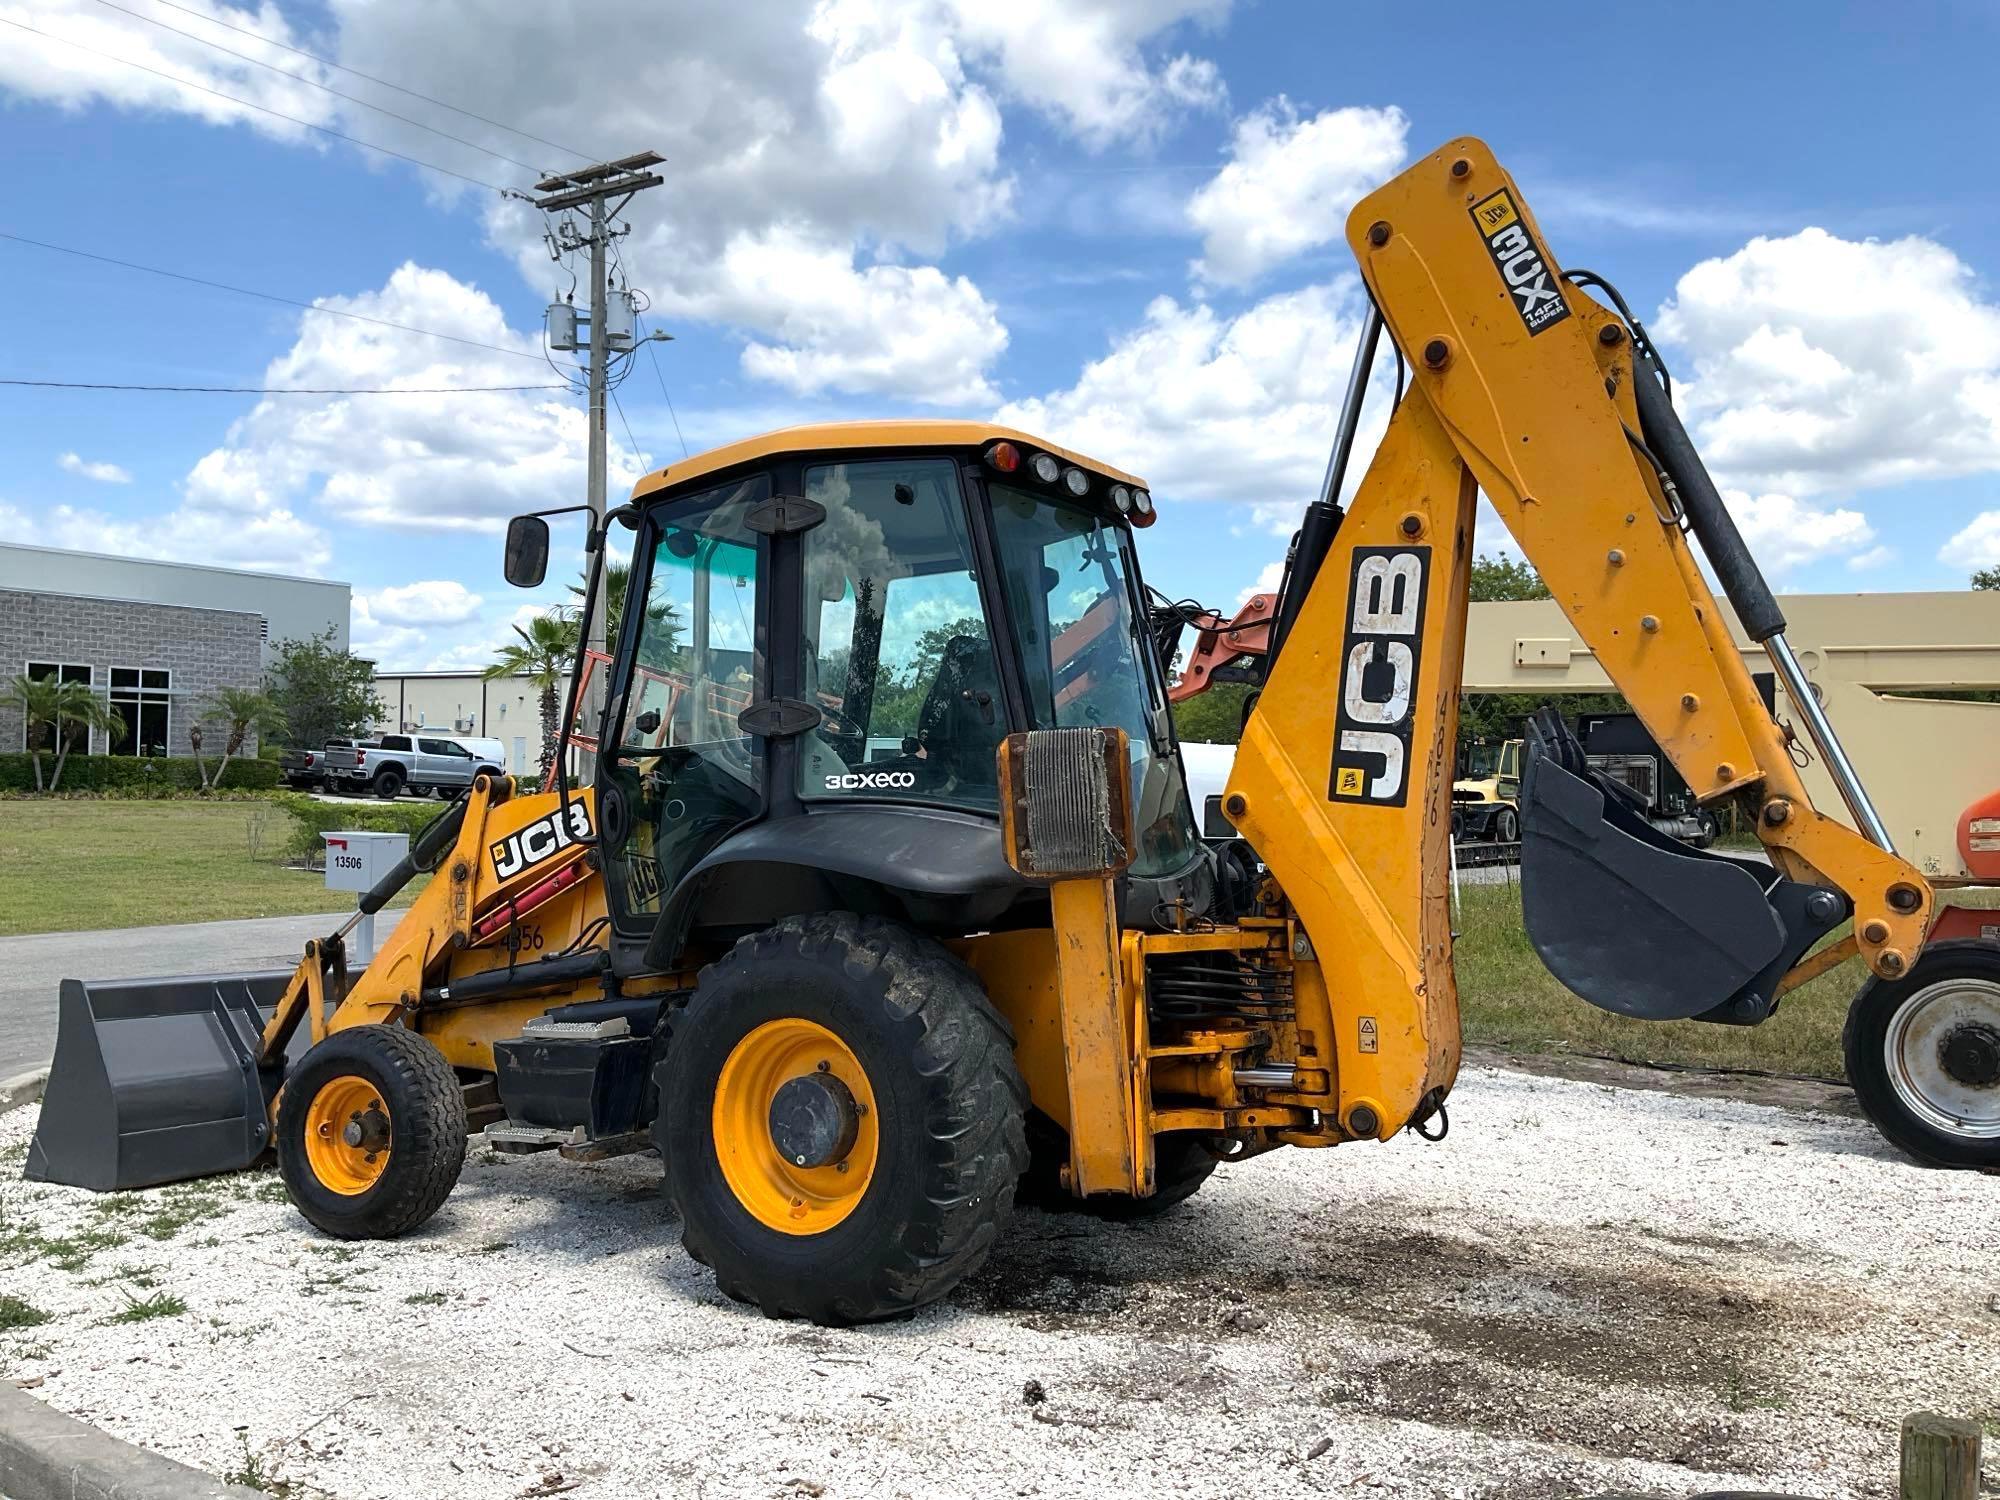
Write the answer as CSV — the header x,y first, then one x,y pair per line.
x,y
1132,503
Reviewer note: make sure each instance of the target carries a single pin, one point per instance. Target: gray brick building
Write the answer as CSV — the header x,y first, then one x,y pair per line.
x,y
154,639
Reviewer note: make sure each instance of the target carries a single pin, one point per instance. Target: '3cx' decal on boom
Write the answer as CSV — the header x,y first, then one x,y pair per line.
x,y
1536,292
1378,675
542,839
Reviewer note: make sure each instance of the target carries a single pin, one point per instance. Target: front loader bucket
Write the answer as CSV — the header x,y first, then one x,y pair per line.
x,y
156,1080
1629,919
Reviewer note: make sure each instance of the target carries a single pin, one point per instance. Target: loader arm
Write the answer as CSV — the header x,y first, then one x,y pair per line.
x,y
1525,388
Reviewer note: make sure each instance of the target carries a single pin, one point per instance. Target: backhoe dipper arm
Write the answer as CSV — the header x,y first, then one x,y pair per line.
x,y
1525,388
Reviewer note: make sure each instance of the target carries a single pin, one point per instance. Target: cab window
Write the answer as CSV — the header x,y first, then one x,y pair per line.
x,y
896,654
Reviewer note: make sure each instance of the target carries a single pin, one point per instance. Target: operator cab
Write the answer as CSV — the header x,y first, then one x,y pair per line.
x,y
830,631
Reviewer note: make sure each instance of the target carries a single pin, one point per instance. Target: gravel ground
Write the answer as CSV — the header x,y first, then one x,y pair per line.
x,y
1584,1288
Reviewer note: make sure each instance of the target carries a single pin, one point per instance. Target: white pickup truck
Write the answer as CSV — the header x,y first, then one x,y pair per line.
x,y
392,764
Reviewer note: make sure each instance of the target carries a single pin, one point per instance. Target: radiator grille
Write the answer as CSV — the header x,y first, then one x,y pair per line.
x,y
1067,803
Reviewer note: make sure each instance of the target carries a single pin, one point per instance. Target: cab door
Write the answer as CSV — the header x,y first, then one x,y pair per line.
x,y
677,772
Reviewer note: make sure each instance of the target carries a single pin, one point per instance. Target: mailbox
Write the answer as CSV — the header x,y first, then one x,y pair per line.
x,y
355,861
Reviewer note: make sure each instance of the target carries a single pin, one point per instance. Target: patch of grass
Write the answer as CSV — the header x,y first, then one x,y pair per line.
x,y
493,1247
69,866
1508,999
178,1210
428,1299
1738,1394
252,1475
271,1192
338,1253
64,1252
14,1313
144,1309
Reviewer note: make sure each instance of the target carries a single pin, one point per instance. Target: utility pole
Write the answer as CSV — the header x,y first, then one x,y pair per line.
x,y
592,188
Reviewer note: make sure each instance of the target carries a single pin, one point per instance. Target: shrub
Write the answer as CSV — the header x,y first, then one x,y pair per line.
x,y
135,775
311,818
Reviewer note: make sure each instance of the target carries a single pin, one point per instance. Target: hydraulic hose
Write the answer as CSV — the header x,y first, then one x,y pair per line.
x,y
439,835
1709,518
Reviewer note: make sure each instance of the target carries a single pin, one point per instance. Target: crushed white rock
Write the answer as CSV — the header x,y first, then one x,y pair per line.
x,y
1584,1288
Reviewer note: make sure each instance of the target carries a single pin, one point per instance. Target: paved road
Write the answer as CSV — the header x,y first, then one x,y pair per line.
x,y
31,967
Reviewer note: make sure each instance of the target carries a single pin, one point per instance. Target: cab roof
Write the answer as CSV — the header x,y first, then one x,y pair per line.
x,y
825,437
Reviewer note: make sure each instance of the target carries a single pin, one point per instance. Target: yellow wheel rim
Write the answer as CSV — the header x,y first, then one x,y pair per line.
x,y
347,1135
777,1191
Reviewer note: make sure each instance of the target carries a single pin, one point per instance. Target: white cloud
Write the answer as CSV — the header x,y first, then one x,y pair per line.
x,y
1821,363
414,463
1083,63
103,473
1290,184
273,539
1215,408
1786,533
1874,557
1975,545
431,601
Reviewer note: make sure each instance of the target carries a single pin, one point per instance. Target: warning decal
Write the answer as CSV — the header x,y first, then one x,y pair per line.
x,y
1369,1035
1531,281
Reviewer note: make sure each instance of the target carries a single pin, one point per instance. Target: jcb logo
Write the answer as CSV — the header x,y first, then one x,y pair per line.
x,y
1379,675
1537,295
542,839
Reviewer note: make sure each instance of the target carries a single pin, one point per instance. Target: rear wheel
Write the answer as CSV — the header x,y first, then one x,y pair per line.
x,y
371,1132
1181,1164
841,1120
1923,1054
388,783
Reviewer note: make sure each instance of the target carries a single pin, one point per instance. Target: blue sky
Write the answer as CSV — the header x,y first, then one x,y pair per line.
x,y
1114,221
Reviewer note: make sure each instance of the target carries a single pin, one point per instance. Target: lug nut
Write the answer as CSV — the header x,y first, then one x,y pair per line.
x,y
1876,931
1436,352
1378,233
1610,335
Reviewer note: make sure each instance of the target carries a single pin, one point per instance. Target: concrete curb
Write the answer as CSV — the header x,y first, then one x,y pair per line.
x,y
45,1455
22,1088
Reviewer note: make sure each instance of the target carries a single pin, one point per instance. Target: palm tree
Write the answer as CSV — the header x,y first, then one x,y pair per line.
x,y
544,656
59,708
662,622
244,709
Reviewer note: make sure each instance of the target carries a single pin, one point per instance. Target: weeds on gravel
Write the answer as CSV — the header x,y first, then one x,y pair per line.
x,y
428,1299
177,1211
144,1309
1740,1395
13,1156
14,1313
271,1192
64,1252
252,1475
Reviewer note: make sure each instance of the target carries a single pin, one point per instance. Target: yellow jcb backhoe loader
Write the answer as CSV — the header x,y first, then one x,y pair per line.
x,y
886,902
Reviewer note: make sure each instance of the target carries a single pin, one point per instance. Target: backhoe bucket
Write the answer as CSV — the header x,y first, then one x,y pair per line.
x,y
156,1080
1629,919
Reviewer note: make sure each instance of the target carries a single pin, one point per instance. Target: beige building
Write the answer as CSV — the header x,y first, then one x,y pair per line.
x,y
506,709
1871,658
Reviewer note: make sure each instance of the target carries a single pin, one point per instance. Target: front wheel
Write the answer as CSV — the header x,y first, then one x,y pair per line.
x,y
841,1119
371,1132
1923,1054
1506,826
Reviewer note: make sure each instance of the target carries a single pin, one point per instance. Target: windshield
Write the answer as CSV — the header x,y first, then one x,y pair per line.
x,y
1071,605
1481,760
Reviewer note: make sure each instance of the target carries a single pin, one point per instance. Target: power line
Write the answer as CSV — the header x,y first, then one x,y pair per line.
x,y
291,390
327,62
620,409
660,375
323,88
244,291
278,114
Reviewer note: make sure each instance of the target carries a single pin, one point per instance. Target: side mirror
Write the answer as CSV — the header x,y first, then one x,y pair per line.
x,y
527,560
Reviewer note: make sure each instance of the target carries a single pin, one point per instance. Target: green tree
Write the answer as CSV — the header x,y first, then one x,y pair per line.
x,y
662,622
324,692
1495,578
57,712
1987,578
1213,717
247,711
544,655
